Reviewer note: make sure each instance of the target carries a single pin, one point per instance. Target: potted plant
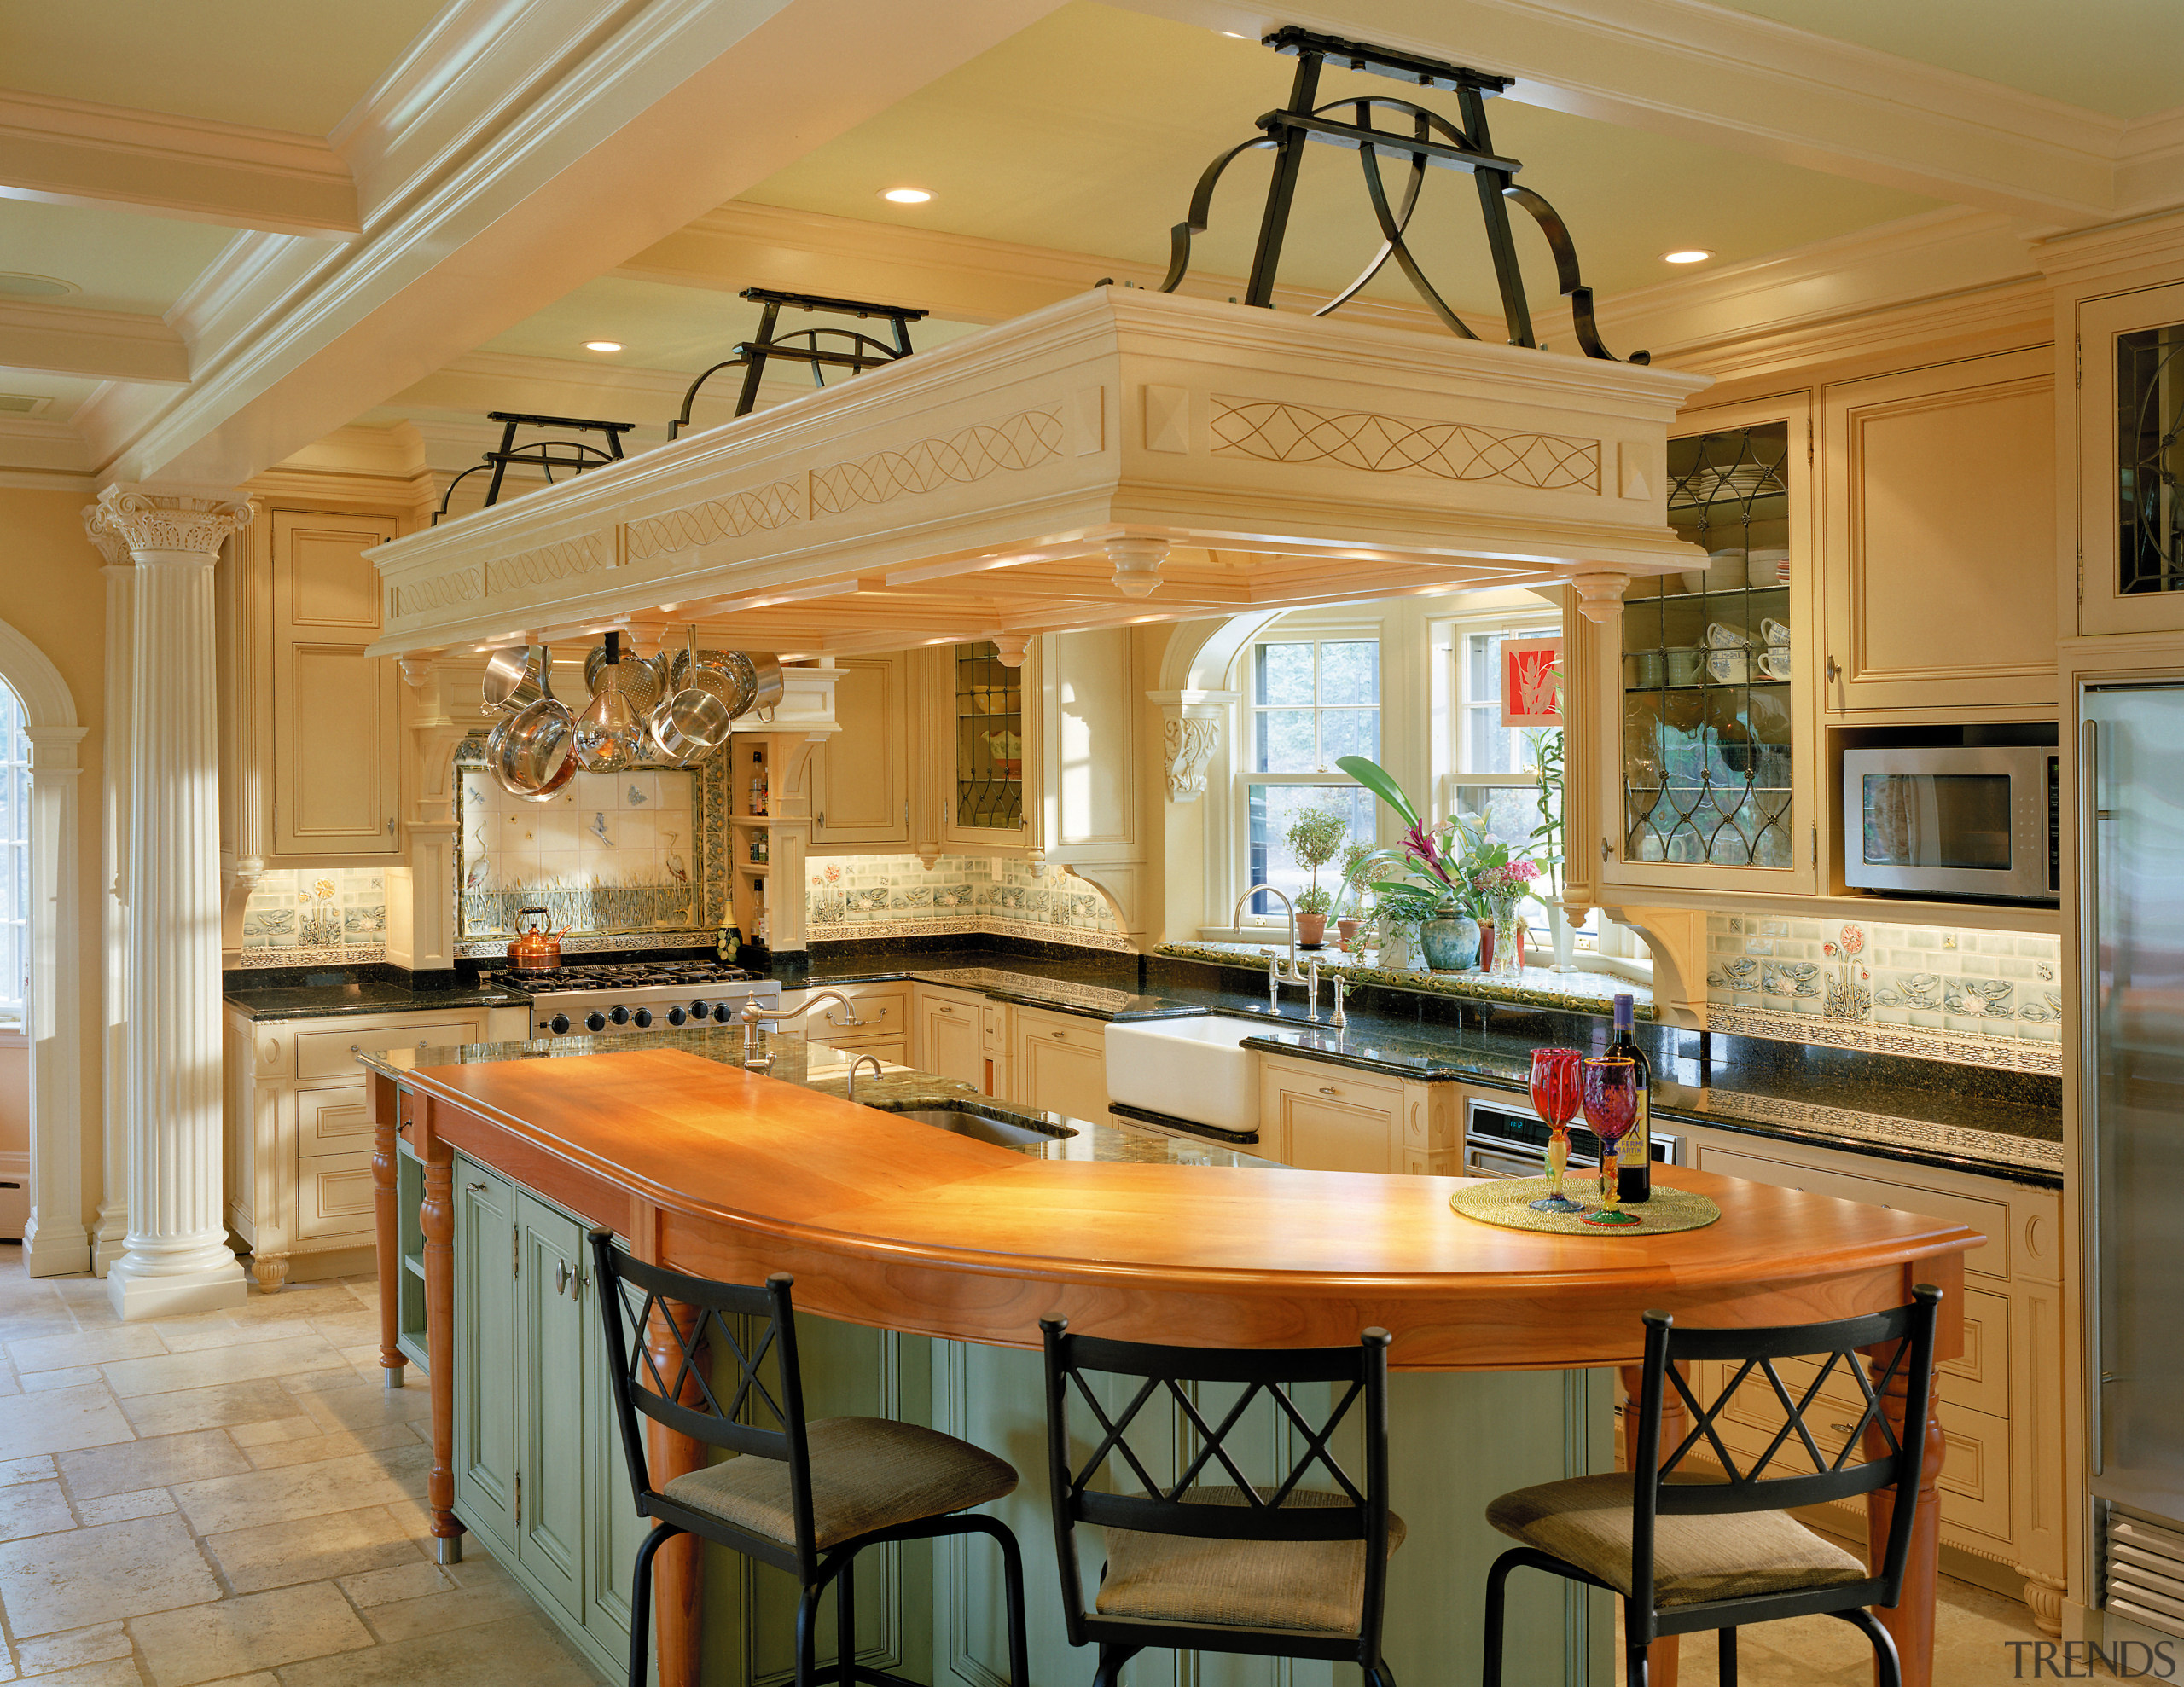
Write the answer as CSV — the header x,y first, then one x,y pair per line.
x,y
1434,897
1313,837
1356,876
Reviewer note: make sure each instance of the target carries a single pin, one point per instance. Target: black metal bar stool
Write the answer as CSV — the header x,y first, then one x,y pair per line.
x,y
804,1498
1692,1551
1271,1569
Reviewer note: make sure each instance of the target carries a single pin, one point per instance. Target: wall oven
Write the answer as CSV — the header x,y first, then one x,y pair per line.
x,y
1507,1139
1954,820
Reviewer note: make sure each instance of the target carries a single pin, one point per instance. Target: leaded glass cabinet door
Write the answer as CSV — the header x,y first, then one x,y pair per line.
x,y
2130,415
1706,690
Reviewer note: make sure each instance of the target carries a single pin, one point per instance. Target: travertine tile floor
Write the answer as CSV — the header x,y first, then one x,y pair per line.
x,y
231,1496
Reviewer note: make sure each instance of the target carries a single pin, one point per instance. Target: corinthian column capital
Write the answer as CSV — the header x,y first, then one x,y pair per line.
x,y
145,519
113,549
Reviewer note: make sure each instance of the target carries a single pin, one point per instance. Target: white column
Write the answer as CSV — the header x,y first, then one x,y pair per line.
x,y
55,1241
112,1231
176,1257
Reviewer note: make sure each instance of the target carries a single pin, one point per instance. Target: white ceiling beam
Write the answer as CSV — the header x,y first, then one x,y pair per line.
x,y
517,152
1711,74
102,345
76,152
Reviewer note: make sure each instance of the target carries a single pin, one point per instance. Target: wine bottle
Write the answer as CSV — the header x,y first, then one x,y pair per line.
x,y
1633,1180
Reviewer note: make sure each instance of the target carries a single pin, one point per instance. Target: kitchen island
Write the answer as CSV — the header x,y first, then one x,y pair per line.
x,y
891,1225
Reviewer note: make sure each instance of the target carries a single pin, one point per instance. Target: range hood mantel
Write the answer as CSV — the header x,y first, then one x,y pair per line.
x,y
1121,457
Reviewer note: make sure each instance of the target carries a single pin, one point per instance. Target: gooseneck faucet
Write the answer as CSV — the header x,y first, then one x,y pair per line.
x,y
754,1016
849,1093
1277,975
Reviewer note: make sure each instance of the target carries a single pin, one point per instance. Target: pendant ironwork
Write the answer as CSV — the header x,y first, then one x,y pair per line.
x,y
820,347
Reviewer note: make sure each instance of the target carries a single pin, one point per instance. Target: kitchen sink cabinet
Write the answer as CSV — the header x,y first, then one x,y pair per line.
x,y
861,776
950,1040
1939,516
1058,1062
1322,1117
878,1021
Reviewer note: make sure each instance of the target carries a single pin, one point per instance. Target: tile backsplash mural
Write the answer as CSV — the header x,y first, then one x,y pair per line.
x,y
1949,993
306,918
898,896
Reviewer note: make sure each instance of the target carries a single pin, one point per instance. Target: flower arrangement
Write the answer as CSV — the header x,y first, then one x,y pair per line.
x,y
1499,889
1455,866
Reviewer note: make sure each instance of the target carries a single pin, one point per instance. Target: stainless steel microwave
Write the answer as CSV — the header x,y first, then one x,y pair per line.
x,y
1955,822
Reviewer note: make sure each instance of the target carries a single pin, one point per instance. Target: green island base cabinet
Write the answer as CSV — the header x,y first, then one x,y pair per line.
x,y
540,1482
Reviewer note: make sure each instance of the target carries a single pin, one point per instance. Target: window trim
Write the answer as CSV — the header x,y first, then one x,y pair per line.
x,y
1460,630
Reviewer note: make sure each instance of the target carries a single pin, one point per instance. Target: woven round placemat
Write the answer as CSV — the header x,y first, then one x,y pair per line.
x,y
1507,1202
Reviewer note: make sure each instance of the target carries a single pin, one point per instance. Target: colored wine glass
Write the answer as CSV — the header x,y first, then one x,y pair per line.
x,y
1611,1103
1556,1097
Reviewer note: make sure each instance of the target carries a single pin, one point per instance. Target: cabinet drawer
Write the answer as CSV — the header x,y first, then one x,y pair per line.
x,y
1087,1036
1990,1218
332,1054
333,1196
330,1121
878,1010
1332,1083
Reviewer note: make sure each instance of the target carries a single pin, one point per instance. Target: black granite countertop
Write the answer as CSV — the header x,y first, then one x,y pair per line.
x,y
813,1065
375,995
1107,989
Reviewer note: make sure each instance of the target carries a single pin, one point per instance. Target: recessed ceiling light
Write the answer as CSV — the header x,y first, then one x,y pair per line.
x,y
602,346
20,284
1690,254
906,196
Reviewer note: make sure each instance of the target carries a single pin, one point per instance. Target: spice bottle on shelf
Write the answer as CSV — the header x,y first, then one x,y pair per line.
x,y
758,783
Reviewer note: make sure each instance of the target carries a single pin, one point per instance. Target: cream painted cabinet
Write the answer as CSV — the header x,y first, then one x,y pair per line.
x,y
1058,1062
1326,1118
332,740
1940,539
2129,415
861,776
949,1042
300,1129
876,1022
2002,1482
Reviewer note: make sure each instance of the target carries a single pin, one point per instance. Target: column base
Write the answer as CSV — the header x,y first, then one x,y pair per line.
x,y
140,1293
49,1252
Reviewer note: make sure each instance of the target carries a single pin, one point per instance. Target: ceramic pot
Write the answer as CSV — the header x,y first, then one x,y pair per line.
x,y
1311,931
1346,930
1451,943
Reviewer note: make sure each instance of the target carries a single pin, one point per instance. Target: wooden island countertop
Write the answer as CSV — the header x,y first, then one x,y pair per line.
x,y
888,1222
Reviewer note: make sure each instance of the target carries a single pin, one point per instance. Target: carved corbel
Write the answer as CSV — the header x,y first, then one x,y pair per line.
x,y
1009,648
1190,736
1137,564
1600,594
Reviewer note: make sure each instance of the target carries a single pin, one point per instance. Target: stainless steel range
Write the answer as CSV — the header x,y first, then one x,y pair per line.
x,y
637,995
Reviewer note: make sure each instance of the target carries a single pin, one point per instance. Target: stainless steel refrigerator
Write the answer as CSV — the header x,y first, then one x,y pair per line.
x,y
2131,878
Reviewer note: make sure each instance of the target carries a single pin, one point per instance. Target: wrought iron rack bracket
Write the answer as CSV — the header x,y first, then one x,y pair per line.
x,y
575,455
862,352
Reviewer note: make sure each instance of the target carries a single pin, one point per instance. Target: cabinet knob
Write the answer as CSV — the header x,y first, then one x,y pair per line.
x,y
1056,1035
420,1042
1834,669
560,1277
1329,1089
475,1188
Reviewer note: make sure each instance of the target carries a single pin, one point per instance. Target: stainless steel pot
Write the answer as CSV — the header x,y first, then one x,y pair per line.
x,y
534,756
692,722
514,677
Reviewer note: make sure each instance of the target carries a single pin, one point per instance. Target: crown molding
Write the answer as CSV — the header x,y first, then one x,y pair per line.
x,y
78,152
29,446
72,340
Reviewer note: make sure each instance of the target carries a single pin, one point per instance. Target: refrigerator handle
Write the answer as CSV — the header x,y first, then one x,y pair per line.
x,y
2089,983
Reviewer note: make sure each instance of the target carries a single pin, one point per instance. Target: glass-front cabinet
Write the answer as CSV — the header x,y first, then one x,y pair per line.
x,y
1707,773
2130,458
987,794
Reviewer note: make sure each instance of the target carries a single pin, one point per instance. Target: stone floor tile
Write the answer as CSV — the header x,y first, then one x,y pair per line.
x,y
194,1337
314,1548
46,1382
363,1403
162,1461
210,1408
63,1581
38,1469
521,1651
89,1347
54,1320
297,1301
300,1426
353,1326
33,1508
462,1607
305,1490
294,1355
56,1422
10,1384
98,1643
397,1581
118,1508
252,1632
310,1449
116,1673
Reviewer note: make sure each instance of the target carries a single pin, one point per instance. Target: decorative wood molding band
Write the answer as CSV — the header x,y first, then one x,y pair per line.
x,y
769,507
549,563
443,591
1278,432
1021,441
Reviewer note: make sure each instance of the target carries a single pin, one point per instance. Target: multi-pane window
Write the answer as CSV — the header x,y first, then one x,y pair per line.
x,y
1310,701
14,860
1497,766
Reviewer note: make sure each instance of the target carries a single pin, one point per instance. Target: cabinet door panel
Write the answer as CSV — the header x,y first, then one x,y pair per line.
x,y
613,1530
333,707
1941,548
948,1038
1332,1127
2107,465
1059,1064
549,1531
333,1196
485,1354
328,1120
860,777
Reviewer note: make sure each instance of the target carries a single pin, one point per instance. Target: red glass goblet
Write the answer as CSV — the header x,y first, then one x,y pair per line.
x,y
1610,1097
1557,1094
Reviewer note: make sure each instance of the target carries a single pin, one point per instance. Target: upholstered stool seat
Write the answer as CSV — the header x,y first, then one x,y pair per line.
x,y
1317,1586
867,1474
1587,1522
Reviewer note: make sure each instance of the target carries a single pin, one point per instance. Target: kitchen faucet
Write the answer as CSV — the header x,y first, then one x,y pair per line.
x,y
850,1094
753,1016
1276,976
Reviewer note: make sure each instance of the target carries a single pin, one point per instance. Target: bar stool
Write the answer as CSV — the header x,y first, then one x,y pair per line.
x,y
1270,1569
804,1498
1694,1551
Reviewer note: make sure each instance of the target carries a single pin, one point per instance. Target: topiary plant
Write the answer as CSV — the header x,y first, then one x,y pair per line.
x,y
1313,837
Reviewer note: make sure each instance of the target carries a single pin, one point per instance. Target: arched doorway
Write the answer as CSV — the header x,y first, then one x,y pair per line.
x,y
55,1240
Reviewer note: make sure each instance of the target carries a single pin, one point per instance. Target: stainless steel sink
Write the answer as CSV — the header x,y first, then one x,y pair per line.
x,y
1009,1133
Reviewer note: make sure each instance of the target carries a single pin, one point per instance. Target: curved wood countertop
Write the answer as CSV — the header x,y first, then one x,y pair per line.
x,y
888,1222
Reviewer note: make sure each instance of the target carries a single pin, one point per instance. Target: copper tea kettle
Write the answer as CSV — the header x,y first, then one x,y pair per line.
x,y
538,950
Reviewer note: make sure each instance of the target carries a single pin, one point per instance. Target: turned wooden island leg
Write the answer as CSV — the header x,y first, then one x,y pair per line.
x,y
438,1218
386,1106
1912,1622
1661,1655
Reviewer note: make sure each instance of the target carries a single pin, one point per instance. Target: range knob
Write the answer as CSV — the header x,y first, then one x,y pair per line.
x,y
643,1016
676,1016
595,1021
620,1016
699,1008
558,1023
722,1013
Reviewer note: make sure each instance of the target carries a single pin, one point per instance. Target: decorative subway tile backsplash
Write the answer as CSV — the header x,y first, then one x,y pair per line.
x,y
1949,993
852,896
305,918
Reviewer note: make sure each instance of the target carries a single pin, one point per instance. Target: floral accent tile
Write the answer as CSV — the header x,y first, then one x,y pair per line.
x,y
298,917
897,896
